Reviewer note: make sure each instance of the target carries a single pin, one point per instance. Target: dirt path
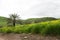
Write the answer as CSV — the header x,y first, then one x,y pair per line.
x,y
26,37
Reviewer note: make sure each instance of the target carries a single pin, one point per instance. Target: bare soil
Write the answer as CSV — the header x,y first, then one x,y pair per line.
x,y
27,37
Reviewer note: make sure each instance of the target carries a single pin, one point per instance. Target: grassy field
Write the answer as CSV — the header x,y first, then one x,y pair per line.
x,y
43,28
3,21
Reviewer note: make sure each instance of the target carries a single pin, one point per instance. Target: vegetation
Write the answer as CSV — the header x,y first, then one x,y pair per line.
x,y
3,21
43,28
8,21
37,20
13,18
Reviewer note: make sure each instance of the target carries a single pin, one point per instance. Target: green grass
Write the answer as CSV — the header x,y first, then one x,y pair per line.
x,y
43,28
3,21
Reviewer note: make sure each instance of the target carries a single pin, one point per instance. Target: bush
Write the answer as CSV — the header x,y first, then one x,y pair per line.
x,y
53,28
44,28
18,30
6,30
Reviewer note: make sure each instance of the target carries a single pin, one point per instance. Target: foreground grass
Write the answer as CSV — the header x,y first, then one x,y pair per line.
x,y
43,28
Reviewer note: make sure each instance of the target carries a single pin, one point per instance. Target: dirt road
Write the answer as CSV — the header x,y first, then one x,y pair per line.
x,y
26,37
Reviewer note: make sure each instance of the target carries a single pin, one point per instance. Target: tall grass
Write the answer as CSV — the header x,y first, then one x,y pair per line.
x,y
43,28
53,28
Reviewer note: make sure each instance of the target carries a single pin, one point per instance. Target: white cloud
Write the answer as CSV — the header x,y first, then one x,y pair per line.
x,y
30,8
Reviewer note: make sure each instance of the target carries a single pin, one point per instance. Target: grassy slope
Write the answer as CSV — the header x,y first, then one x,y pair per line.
x,y
3,20
44,28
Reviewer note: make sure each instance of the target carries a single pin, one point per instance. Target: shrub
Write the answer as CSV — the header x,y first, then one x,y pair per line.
x,y
6,30
53,28
44,28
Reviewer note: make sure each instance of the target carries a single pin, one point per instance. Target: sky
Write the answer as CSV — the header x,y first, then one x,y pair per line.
x,y
30,8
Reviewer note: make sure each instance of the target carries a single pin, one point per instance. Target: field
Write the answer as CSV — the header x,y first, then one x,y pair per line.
x,y
44,28
47,30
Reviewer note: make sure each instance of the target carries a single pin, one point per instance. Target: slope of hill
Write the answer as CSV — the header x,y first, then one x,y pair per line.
x,y
37,20
3,21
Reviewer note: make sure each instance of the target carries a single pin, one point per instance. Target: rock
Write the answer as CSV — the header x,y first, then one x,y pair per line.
x,y
25,37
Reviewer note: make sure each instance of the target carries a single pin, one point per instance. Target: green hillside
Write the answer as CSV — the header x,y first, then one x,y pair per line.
x,y
48,26
37,20
3,21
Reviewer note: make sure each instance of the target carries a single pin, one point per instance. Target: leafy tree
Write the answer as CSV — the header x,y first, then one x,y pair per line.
x,y
13,18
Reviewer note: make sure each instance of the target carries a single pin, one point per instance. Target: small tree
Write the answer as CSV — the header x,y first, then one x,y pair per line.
x,y
14,17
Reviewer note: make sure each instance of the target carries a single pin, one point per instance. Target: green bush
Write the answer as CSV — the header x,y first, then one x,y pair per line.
x,y
6,30
43,28
17,30
53,28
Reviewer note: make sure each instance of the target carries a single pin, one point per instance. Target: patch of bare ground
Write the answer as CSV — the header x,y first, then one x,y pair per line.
x,y
23,36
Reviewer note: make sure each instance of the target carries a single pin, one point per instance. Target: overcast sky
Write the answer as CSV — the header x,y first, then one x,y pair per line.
x,y
30,8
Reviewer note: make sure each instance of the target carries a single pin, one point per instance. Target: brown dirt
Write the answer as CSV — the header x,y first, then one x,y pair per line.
x,y
26,37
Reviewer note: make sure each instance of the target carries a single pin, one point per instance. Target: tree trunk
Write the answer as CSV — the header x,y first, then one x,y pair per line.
x,y
14,22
